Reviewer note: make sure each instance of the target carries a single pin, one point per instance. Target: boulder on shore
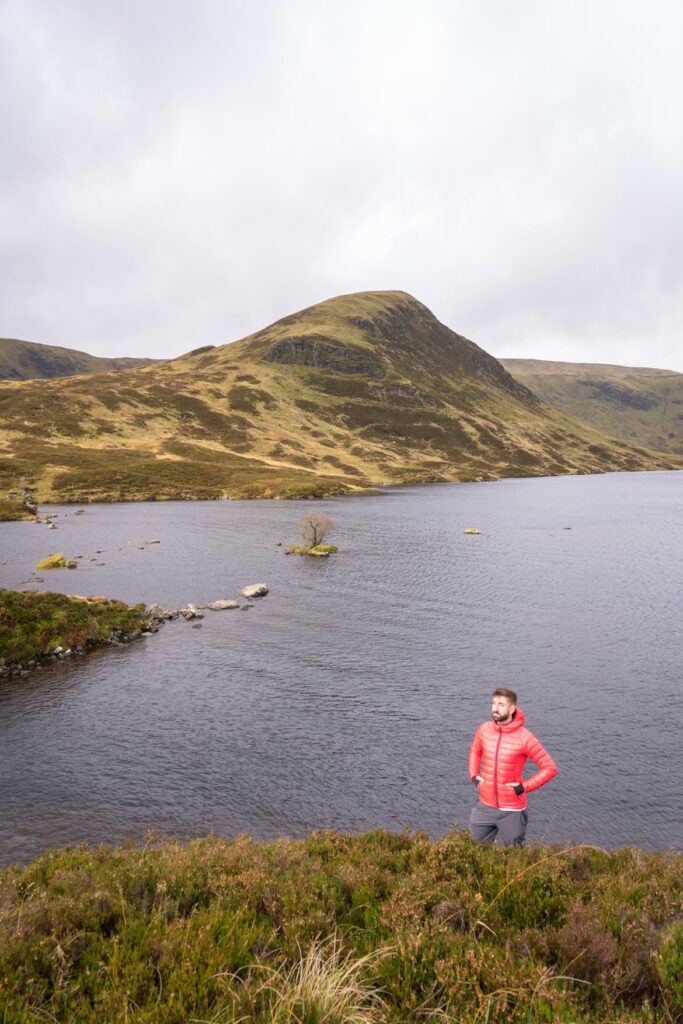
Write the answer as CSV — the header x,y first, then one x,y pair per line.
x,y
221,604
255,590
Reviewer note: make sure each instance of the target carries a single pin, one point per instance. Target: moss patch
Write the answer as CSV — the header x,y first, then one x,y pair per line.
x,y
58,561
317,551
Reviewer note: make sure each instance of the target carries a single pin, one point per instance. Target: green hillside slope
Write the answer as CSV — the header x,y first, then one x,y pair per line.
x,y
28,360
358,390
638,405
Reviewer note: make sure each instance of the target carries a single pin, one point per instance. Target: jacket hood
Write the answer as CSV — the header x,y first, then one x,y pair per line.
x,y
517,722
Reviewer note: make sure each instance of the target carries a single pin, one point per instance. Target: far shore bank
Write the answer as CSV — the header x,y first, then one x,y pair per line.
x,y
303,494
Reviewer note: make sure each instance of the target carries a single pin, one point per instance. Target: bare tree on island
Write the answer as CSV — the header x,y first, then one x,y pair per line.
x,y
315,528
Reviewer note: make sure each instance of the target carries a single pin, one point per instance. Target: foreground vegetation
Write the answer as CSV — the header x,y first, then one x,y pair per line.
x,y
33,625
354,392
334,929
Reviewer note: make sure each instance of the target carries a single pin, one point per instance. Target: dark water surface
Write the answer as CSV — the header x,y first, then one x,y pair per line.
x,y
348,697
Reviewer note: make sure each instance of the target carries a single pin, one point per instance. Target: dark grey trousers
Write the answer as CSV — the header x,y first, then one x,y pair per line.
x,y
487,823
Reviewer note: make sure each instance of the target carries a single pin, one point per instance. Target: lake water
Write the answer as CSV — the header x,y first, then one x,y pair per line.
x,y
347,698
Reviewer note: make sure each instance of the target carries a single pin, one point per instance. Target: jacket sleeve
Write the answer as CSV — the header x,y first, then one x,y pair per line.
x,y
547,769
475,755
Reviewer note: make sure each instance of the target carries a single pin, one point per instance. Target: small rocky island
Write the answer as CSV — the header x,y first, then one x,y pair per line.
x,y
314,528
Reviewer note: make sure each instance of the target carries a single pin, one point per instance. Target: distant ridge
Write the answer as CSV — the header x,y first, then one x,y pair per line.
x,y
29,360
639,405
359,390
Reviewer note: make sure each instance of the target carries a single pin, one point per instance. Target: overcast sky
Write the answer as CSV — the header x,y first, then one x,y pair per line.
x,y
175,173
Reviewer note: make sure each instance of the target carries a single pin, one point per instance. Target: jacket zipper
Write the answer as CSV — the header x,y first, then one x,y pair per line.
x,y
495,767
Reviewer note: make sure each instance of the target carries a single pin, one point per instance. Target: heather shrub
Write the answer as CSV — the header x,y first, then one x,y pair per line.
x,y
582,947
670,966
33,624
377,927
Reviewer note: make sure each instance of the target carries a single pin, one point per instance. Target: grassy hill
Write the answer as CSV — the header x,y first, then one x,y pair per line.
x,y
28,360
376,928
638,405
359,390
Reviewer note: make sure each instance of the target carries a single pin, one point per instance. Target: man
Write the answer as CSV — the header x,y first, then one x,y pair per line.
x,y
498,754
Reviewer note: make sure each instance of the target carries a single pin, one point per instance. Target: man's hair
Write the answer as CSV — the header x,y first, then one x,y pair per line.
x,y
501,691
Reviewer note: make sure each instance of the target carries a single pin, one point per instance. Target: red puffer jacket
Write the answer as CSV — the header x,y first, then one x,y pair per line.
x,y
498,753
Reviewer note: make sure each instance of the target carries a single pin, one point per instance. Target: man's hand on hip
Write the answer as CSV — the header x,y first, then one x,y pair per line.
x,y
517,786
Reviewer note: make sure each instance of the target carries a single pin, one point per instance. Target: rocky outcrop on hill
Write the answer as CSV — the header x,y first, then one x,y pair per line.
x,y
323,353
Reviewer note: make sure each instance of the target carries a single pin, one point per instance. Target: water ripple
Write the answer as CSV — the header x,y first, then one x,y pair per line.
x,y
348,697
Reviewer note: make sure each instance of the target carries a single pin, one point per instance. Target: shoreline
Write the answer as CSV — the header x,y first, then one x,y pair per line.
x,y
45,627
153,838
342,492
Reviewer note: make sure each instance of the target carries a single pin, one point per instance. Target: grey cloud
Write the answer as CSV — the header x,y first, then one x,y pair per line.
x,y
175,174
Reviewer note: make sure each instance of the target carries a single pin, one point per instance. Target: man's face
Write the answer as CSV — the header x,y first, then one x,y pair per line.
x,y
501,709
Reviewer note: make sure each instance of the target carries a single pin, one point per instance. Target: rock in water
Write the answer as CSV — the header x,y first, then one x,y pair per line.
x,y
222,603
155,611
255,590
191,611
